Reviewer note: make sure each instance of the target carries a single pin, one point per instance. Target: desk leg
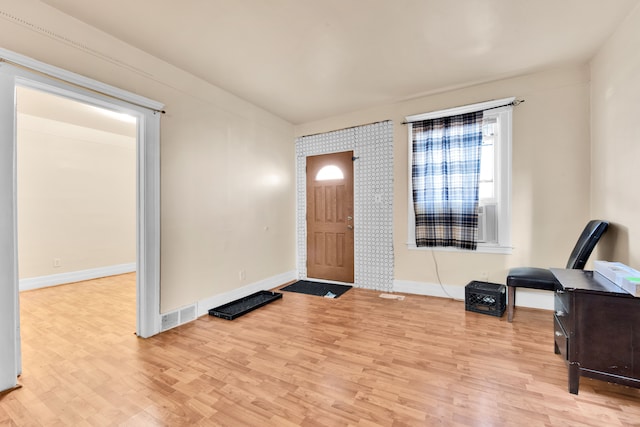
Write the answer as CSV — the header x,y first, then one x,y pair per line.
x,y
574,378
511,302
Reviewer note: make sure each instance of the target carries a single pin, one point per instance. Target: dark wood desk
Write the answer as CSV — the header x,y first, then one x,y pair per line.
x,y
597,329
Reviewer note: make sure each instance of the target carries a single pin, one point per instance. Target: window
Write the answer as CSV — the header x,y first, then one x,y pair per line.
x,y
328,173
494,210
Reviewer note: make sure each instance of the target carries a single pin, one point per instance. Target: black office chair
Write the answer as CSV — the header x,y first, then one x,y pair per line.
x,y
541,278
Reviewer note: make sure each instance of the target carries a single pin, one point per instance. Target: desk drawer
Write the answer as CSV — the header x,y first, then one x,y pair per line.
x,y
561,302
562,309
561,338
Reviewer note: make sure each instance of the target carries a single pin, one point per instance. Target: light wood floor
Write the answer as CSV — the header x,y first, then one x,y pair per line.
x,y
358,360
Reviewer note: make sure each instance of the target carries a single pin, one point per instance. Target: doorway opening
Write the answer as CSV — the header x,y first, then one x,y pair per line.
x,y
17,70
330,217
76,220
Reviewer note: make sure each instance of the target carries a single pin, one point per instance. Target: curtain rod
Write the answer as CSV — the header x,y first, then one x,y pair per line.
x,y
347,128
514,103
42,73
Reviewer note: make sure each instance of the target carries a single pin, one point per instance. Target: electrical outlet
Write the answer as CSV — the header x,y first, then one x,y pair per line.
x,y
242,275
57,263
484,276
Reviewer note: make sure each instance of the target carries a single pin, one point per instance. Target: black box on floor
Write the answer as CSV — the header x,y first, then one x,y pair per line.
x,y
485,297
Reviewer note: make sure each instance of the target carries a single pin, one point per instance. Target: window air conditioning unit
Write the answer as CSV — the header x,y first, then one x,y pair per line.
x,y
482,226
487,230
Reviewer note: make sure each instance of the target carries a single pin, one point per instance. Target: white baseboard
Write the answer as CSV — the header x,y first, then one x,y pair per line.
x,y
226,297
524,297
75,276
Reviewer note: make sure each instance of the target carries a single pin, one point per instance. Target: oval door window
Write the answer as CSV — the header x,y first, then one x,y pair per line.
x,y
328,173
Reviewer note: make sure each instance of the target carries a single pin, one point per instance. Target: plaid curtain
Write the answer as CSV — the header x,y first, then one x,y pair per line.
x,y
445,171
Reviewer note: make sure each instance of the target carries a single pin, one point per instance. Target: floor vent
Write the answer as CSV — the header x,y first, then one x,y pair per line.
x,y
175,318
187,314
170,320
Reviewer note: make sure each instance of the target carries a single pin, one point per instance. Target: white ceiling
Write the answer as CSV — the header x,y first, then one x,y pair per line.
x,y
305,60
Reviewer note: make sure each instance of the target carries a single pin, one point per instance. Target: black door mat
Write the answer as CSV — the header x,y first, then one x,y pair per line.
x,y
328,290
244,305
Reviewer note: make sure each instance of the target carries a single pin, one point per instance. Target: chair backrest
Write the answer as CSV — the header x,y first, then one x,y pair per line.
x,y
587,241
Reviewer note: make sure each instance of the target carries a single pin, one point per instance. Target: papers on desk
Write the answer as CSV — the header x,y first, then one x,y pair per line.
x,y
622,275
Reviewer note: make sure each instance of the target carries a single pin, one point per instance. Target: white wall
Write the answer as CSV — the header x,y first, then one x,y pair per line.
x,y
615,132
76,198
227,166
551,169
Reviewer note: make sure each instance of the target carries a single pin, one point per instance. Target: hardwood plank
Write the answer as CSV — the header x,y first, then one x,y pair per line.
x,y
358,360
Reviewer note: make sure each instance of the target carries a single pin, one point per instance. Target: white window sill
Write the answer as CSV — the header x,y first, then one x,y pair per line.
x,y
482,249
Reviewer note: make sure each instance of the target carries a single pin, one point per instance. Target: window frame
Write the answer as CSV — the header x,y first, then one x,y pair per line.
x,y
503,174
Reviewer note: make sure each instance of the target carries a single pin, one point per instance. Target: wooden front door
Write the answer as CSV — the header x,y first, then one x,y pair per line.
x,y
330,217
